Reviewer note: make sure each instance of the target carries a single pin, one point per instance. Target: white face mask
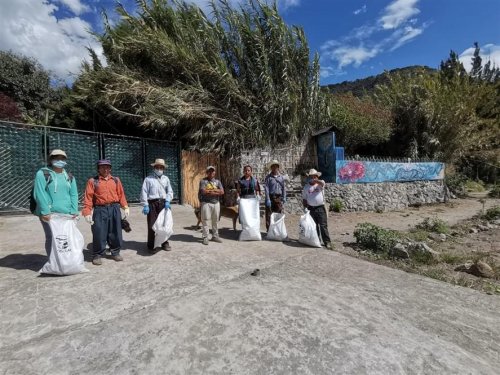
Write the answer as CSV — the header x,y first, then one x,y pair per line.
x,y
158,172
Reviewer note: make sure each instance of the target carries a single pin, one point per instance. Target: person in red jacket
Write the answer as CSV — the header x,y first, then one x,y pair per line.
x,y
104,196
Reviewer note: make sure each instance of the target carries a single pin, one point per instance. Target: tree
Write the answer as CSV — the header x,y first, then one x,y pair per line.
x,y
241,79
452,67
8,109
476,70
25,81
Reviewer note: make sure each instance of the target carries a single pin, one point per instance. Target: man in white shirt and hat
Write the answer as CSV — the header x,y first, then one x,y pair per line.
x,y
314,200
156,195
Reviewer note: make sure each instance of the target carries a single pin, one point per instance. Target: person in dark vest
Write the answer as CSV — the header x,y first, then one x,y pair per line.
x,y
104,195
209,193
248,186
274,186
156,195
54,192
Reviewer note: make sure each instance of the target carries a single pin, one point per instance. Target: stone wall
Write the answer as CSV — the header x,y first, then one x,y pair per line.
x,y
387,196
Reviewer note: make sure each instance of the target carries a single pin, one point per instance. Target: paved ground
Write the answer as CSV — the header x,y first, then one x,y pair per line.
x,y
197,310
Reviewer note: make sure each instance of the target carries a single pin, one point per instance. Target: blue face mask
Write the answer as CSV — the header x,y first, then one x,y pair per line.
x,y
59,163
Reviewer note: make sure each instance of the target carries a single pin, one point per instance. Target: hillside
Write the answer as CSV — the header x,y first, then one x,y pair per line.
x,y
366,85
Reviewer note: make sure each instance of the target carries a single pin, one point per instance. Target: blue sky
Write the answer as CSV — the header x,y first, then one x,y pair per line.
x,y
354,38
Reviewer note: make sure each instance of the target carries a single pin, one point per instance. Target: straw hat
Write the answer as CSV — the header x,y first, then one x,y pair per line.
x,y
210,167
160,162
273,162
313,172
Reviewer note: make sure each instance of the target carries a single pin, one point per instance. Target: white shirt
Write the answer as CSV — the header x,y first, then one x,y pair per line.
x,y
155,188
313,194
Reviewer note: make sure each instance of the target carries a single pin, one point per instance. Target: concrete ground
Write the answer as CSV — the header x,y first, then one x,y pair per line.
x,y
198,310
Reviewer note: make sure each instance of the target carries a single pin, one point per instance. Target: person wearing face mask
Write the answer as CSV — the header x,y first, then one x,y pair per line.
x,y
156,195
54,192
104,195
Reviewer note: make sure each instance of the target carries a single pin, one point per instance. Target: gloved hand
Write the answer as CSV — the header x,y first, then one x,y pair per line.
x,y
145,210
167,204
268,203
238,200
88,219
126,212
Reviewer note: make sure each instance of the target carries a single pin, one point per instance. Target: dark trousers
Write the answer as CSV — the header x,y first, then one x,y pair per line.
x,y
107,228
276,206
48,236
155,207
318,213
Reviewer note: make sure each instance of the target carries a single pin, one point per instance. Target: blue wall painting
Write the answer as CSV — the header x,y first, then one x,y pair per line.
x,y
325,145
348,172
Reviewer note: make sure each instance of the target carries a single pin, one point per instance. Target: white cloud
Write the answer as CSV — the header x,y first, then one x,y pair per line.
x,y
76,6
405,35
360,10
488,52
29,27
347,55
398,12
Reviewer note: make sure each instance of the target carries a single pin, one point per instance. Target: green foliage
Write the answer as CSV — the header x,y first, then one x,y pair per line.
x,y
421,257
473,186
239,79
359,121
26,82
375,238
434,225
456,183
492,213
494,192
337,205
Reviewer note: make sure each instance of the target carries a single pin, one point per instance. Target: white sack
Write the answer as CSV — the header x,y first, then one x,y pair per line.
x,y
66,255
249,212
307,230
163,227
277,229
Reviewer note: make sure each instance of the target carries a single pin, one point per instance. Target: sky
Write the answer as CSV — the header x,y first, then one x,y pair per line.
x,y
354,38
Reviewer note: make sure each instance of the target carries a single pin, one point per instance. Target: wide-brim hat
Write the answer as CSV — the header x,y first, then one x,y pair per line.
x,y
313,172
159,162
210,167
273,162
57,152
103,162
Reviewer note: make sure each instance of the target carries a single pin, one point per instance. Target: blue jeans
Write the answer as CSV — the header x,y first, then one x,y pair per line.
x,y
48,236
107,228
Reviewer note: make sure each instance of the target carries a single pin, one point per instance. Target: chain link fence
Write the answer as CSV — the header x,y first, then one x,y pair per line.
x,y
24,149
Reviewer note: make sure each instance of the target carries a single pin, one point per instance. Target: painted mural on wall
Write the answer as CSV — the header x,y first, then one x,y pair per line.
x,y
349,172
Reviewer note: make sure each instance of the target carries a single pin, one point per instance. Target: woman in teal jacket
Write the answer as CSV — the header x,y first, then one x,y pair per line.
x,y
55,192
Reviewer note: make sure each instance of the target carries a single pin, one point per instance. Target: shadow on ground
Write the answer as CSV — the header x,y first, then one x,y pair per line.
x,y
33,262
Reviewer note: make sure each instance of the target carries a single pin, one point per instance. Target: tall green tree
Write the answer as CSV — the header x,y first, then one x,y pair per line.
x,y
25,81
242,78
477,63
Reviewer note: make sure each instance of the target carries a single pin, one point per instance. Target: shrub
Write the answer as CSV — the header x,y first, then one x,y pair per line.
x,y
474,186
434,225
494,192
456,183
337,205
375,238
492,213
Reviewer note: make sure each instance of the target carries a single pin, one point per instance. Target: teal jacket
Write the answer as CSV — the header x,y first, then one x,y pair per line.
x,y
59,195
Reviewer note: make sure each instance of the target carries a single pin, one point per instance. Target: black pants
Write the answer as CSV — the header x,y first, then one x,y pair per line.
x,y
155,207
318,213
107,228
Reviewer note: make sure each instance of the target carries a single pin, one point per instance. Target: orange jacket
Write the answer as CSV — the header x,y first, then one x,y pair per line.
x,y
108,191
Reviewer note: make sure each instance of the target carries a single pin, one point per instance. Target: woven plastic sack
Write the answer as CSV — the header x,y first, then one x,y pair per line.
x,y
277,229
66,255
250,219
163,226
307,230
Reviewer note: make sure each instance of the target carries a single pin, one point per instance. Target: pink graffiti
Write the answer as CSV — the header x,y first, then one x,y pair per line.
x,y
352,171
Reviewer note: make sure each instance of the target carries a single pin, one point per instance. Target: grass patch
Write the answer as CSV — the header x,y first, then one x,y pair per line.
x,y
434,225
450,258
491,213
337,205
474,187
375,238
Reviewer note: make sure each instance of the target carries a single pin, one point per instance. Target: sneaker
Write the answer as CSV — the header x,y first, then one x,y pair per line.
x,y
166,247
97,261
117,258
216,239
329,246
205,241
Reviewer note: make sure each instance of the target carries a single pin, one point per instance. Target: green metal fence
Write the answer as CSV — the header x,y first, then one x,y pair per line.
x,y
24,149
